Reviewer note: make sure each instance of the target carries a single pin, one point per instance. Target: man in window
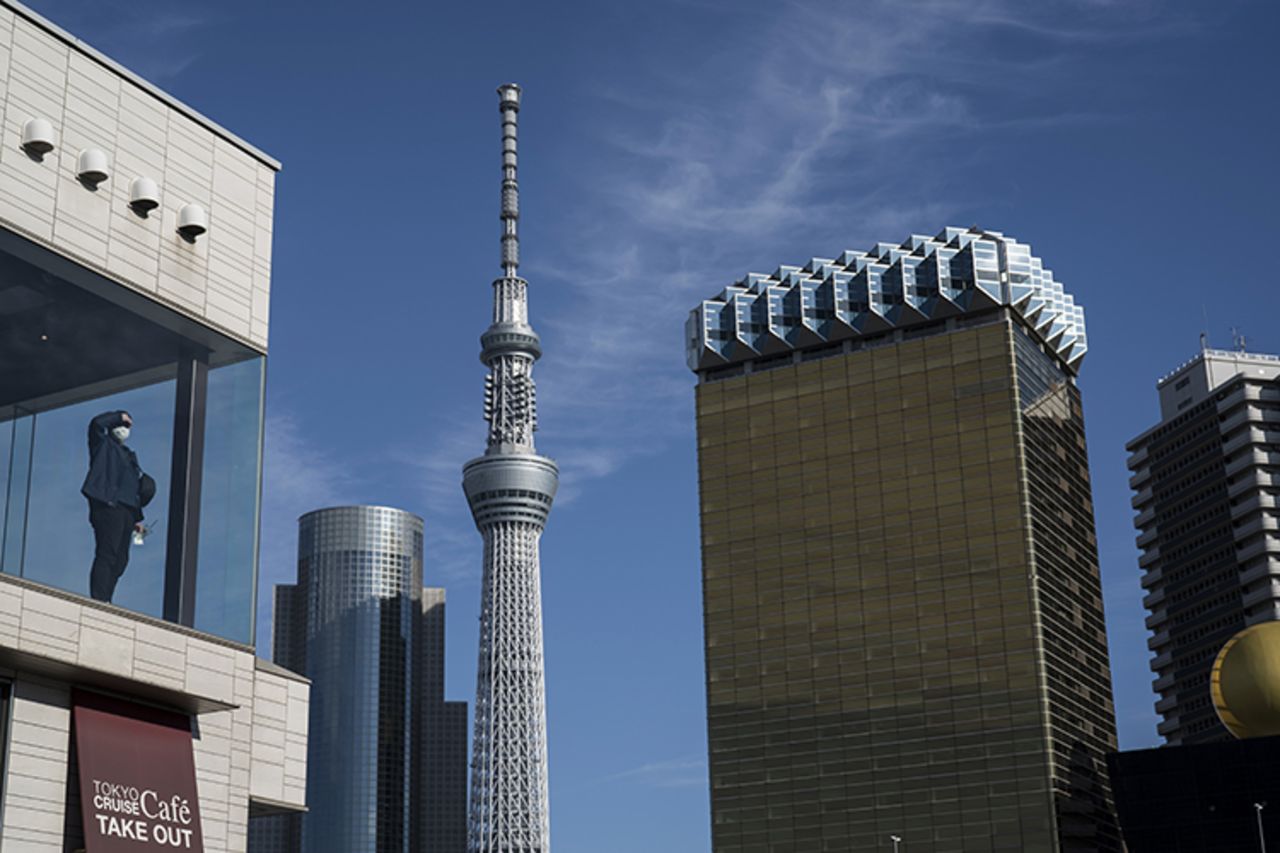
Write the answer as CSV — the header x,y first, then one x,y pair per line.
x,y
117,491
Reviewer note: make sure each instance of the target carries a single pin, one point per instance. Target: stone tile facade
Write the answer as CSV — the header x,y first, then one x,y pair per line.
x,y
250,716
222,278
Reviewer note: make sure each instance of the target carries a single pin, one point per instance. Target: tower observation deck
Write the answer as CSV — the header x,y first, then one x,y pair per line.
x,y
510,489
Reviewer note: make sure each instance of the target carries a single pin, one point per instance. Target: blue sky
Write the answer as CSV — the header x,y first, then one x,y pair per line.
x,y
667,149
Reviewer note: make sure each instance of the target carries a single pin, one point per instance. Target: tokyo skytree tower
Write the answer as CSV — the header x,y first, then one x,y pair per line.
x,y
510,489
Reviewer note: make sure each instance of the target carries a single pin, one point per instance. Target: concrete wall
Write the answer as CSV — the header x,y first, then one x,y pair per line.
x,y
223,278
252,748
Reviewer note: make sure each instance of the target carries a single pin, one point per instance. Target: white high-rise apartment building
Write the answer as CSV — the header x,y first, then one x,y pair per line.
x,y
1206,483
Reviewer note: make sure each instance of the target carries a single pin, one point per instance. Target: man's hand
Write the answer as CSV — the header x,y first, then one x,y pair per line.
x,y
128,421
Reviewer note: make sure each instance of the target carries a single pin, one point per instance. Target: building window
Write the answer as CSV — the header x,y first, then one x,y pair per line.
x,y
77,349
6,706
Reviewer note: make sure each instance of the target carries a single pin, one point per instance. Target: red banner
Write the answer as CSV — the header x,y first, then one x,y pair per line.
x,y
137,777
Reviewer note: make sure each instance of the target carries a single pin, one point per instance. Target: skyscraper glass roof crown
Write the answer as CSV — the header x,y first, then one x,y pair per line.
x,y
922,280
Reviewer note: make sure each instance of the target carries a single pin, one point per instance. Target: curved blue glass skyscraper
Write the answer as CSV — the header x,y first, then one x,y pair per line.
x,y
390,753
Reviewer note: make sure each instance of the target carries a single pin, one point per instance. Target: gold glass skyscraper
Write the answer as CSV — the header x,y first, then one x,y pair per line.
x,y
903,615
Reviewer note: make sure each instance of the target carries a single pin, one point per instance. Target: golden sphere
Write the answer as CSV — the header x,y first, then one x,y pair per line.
x,y
1245,682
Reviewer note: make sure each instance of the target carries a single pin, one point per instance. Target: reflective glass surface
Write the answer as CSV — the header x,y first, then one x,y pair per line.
x,y
227,573
78,349
877,537
921,280
387,755
49,538
1081,713
360,575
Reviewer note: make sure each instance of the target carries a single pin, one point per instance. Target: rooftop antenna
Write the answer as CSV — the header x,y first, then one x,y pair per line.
x,y
1204,330
1237,339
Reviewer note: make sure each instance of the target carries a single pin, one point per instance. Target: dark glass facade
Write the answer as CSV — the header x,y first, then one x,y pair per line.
x,y
1068,593
441,792
903,614
1199,798
389,752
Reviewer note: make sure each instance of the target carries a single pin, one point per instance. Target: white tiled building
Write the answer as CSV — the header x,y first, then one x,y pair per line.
x,y
93,103
107,306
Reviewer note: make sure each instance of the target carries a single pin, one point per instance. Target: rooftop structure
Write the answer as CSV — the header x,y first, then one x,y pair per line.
x,y
1200,376
891,286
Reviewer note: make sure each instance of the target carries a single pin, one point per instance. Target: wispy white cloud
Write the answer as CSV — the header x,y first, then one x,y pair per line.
x,y
451,543
812,130
439,469
672,773
155,40
298,476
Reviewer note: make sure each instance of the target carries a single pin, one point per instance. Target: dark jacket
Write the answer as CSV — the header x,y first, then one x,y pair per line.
x,y
114,474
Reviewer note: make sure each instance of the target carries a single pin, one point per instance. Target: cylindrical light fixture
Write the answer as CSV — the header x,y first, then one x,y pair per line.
x,y
37,136
92,166
192,221
144,195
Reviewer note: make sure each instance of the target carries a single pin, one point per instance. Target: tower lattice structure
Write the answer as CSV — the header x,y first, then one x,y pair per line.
x,y
510,489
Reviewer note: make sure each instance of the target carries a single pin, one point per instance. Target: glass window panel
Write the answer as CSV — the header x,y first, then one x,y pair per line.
x,y
59,543
18,436
227,570
75,345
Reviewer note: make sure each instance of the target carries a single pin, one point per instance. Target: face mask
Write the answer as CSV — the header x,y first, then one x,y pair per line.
x,y
121,433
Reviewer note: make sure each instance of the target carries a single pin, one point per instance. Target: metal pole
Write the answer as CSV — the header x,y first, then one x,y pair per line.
x,y
1262,839
896,841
